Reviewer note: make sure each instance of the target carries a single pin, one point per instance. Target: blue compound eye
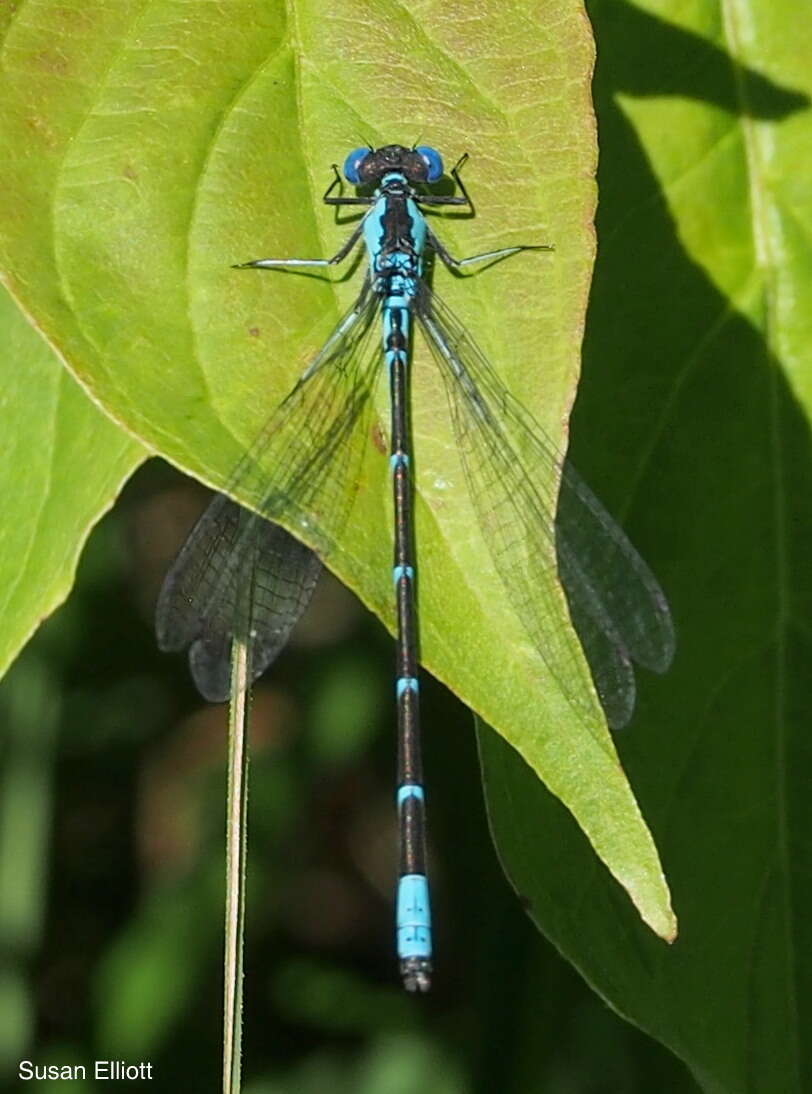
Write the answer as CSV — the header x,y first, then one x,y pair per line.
x,y
433,161
352,165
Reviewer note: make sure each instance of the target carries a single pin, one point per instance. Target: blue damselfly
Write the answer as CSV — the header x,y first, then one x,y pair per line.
x,y
240,575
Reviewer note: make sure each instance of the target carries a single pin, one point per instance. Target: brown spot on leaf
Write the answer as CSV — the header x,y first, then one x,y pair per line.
x,y
378,437
51,61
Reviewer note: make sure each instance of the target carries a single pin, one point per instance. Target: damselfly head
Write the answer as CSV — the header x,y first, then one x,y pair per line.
x,y
365,165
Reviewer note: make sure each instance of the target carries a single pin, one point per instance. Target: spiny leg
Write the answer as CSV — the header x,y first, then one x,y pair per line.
x,y
460,200
276,263
502,252
343,200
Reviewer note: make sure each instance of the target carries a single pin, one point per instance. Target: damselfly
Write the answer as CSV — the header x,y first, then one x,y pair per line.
x,y
238,574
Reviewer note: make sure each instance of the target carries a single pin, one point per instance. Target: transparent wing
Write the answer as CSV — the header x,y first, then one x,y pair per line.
x,y
304,469
233,557
608,659
616,604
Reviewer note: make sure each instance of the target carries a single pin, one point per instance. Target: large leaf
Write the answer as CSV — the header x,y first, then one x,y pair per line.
x,y
62,467
151,146
693,417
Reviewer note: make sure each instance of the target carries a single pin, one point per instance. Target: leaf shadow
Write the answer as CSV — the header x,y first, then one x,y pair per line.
x,y
643,56
686,422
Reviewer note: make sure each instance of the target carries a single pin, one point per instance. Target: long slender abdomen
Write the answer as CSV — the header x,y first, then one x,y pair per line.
x,y
413,911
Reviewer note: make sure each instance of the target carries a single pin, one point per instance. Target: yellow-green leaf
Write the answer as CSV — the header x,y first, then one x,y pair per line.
x,y
149,146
